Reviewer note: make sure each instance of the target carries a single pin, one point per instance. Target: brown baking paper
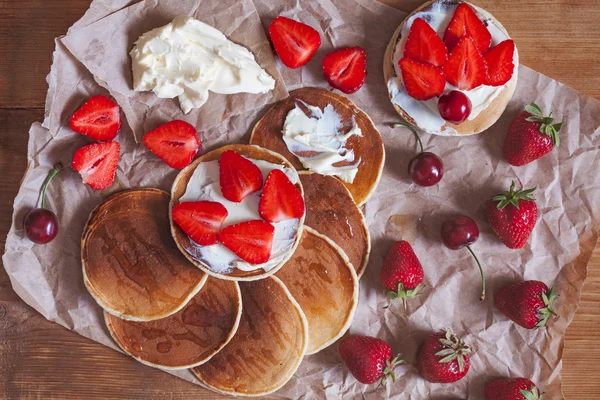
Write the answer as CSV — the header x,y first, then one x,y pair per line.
x,y
568,196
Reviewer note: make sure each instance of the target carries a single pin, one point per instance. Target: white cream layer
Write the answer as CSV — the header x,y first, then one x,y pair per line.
x,y
204,185
187,58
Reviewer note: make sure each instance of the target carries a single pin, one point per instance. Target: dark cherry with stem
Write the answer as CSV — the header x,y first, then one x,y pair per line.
x,y
426,168
41,224
459,232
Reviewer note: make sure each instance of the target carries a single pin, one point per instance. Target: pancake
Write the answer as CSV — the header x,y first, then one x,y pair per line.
x,y
187,338
331,212
368,147
131,265
324,283
178,190
267,348
487,117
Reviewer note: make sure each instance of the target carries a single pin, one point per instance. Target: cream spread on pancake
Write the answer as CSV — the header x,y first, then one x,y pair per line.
x,y
204,185
187,58
319,142
425,113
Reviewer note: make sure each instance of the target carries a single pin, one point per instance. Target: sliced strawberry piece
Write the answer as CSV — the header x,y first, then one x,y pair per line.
x,y
294,42
99,118
465,68
97,164
280,199
250,240
346,69
422,81
200,220
466,22
424,44
500,66
238,176
176,143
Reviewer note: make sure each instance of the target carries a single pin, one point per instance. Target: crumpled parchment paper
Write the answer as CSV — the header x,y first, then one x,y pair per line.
x,y
568,196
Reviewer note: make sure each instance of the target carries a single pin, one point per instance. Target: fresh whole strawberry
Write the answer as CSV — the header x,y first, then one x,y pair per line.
x,y
280,199
200,220
499,61
346,69
294,42
402,273
512,389
423,44
512,215
238,176
97,164
527,303
251,240
98,118
530,136
176,143
423,81
465,22
443,358
369,359
465,68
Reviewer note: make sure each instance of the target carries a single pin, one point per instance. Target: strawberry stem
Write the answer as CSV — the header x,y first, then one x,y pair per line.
x,y
53,172
482,297
410,128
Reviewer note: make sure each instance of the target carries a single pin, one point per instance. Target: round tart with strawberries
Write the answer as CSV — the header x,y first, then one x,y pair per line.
x,y
237,212
451,68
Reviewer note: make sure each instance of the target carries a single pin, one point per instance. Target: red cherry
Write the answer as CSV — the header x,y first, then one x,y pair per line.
x,y
41,225
425,169
459,232
454,107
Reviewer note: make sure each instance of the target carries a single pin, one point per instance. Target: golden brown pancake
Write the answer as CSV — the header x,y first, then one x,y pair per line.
x,y
131,265
180,186
368,147
487,117
321,279
267,348
331,211
187,338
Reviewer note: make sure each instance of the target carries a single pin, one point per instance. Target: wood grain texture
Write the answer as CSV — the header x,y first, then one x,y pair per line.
x,y
39,359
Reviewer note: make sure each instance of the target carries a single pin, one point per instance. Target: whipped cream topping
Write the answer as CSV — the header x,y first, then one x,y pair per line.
x,y
425,113
204,185
319,142
187,58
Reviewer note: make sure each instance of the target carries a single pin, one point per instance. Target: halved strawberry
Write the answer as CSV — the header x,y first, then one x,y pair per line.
x,y
346,69
500,66
280,199
238,176
466,22
424,44
99,118
250,240
200,220
97,164
176,143
294,42
422,80
465,68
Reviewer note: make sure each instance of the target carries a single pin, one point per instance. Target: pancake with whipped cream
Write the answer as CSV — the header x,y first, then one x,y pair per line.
x,y
322,280
326,133
331,211
189,337
131,265
200,181
487,102
267,348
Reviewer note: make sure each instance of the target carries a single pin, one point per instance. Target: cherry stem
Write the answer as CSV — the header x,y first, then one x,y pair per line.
x,y
53,172
410,128
482,297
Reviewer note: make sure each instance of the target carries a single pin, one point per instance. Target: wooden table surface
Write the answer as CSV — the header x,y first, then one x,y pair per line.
x,y
39,359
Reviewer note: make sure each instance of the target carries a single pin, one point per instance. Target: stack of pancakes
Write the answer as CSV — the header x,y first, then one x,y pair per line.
x,y
240,333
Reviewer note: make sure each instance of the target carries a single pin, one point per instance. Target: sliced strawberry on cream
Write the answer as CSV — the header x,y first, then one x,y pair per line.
x,y
466,68
500,65
251,240
423,81
97,163
200,220
280,200
176,143
99,118
238,176
346,69
294,42
465,22
424,44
